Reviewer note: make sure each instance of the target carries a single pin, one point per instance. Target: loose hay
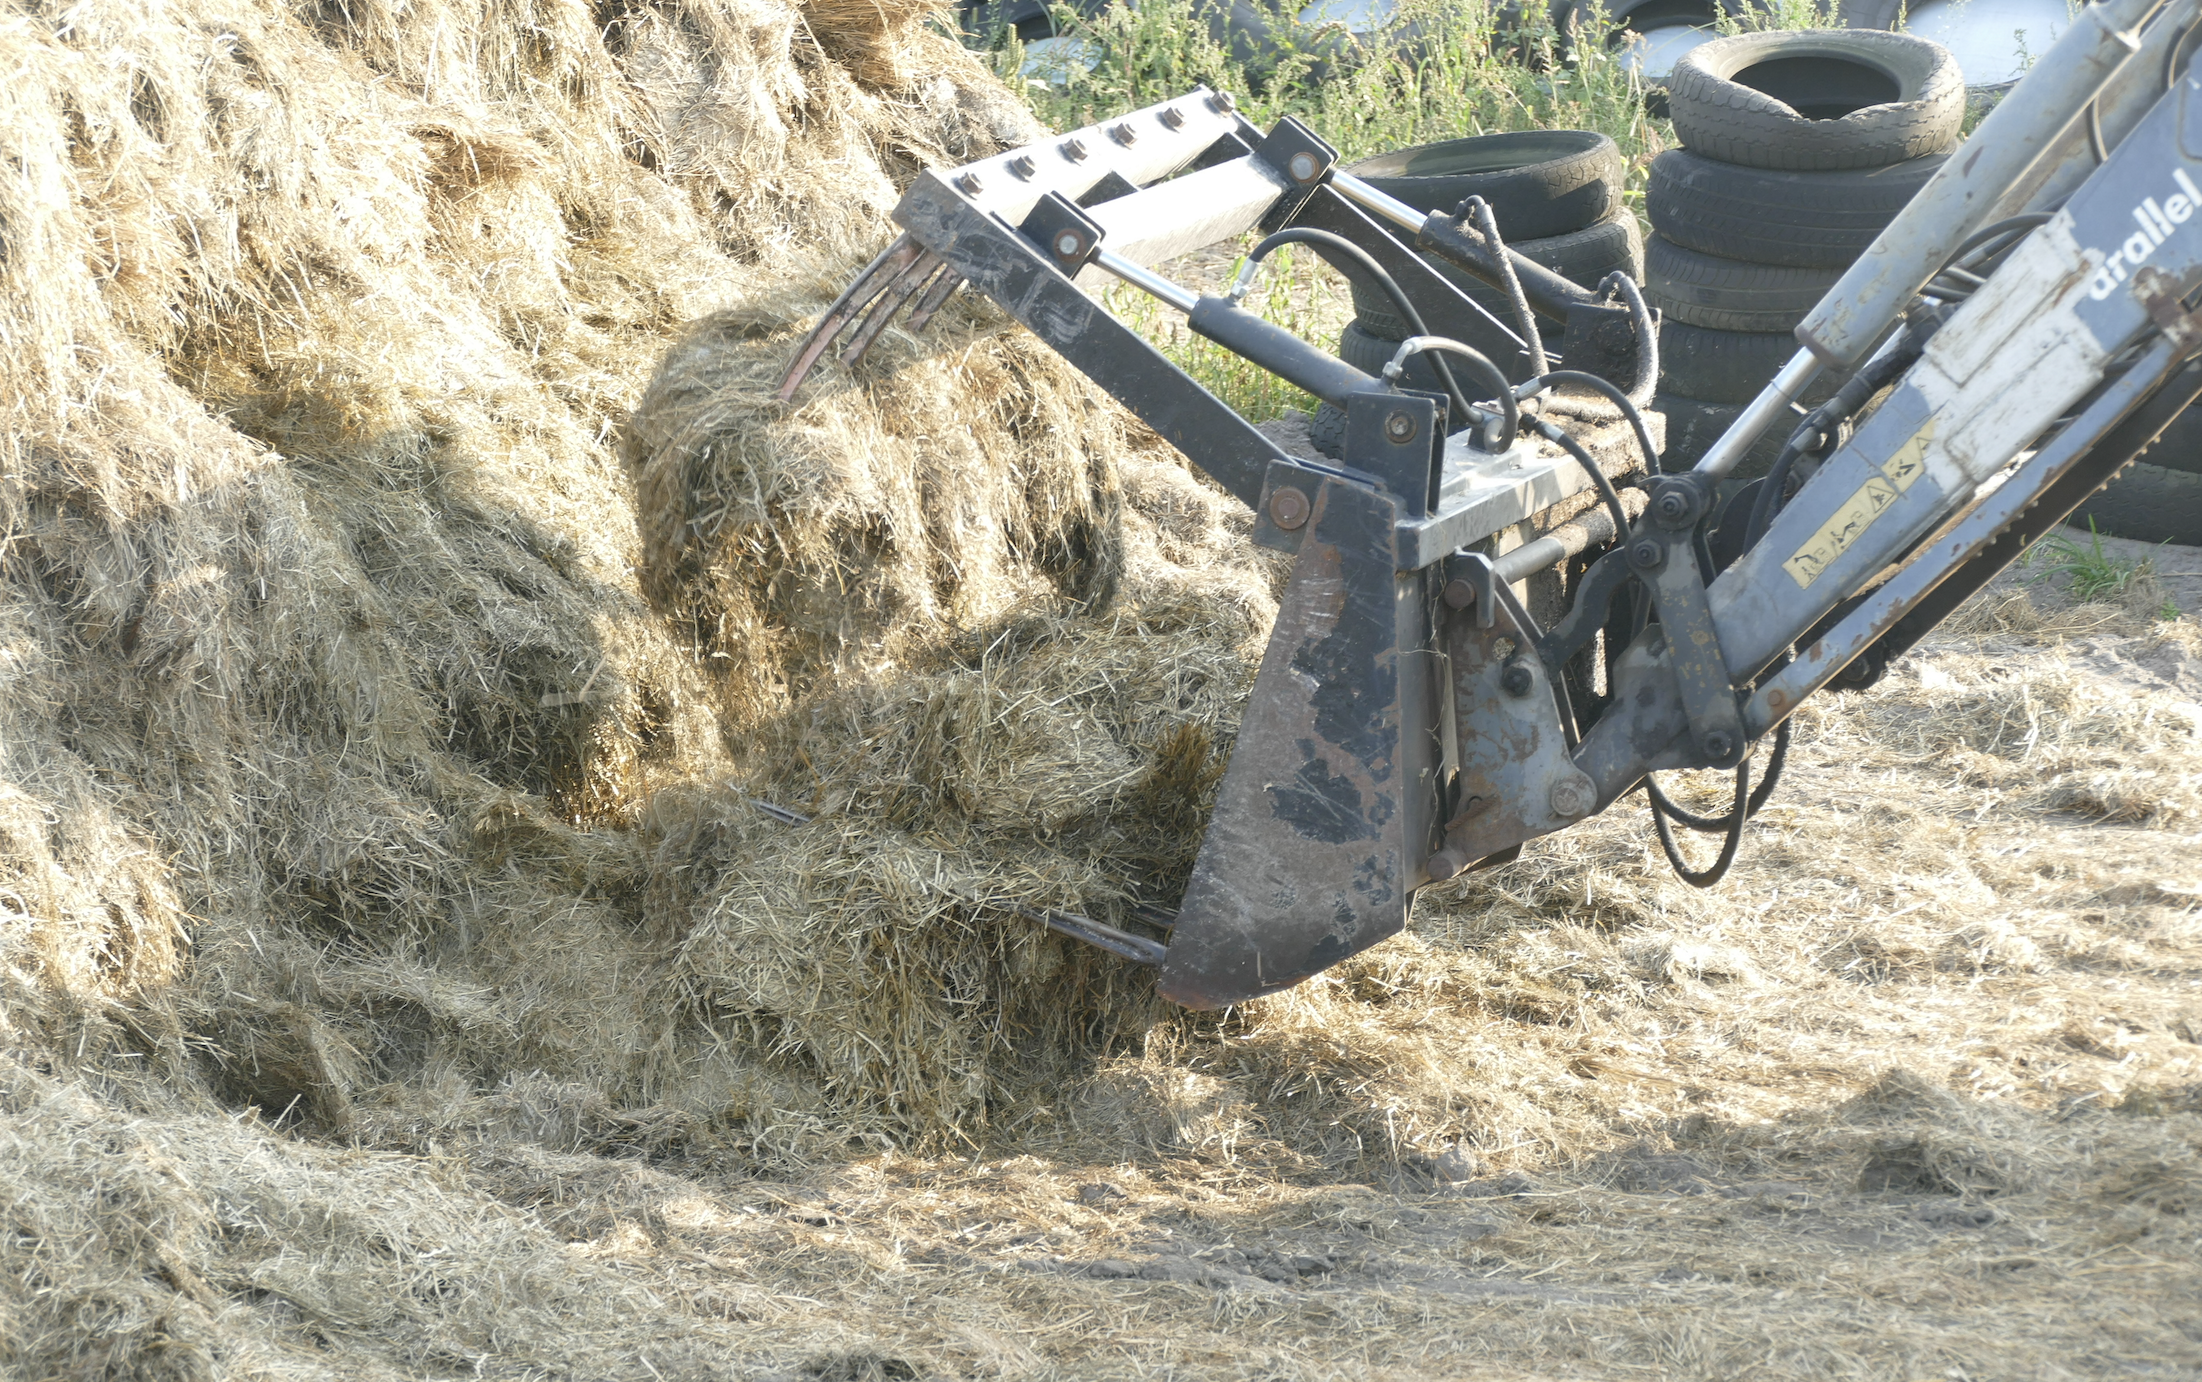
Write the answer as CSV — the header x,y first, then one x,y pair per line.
x,y
387,707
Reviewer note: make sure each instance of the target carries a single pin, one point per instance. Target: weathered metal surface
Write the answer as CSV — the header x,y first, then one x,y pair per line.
x,y
1328,809
1513,753
1850,319
2019,354
1819,662
1009,269
1164,138
1186,213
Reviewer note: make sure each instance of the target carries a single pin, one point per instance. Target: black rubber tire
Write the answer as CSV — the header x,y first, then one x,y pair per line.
x,y
2180,445
1370,353
1730,366
1584,257
1815,100
1729,294
1574,21
1326,431
1540,183
1804,220
2148,503
1694,424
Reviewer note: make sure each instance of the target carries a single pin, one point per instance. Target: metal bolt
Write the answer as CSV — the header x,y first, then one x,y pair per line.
x,y
1302,167
1288,508
1172,118
1718,744
1516,679
1123,133
1647,553
1573,796
1399,427
1459,594
1074,150
1222,102
1022,165
1444,864
1068,244
1673,506
969,184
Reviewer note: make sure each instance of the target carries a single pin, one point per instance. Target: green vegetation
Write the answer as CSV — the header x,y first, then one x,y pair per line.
x,y
1446,68
1462,71
2091,573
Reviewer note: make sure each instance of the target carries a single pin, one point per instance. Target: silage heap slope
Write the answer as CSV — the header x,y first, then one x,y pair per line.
x,y
338,728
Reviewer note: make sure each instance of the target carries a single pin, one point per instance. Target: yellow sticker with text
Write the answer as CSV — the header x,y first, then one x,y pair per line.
x,y
1898,473
1835,536
1910,460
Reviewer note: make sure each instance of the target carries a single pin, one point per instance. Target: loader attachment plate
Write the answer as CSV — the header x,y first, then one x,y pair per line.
x,y
1329,807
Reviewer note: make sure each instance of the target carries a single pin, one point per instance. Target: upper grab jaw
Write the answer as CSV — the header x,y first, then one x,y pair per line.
x,y
1092,165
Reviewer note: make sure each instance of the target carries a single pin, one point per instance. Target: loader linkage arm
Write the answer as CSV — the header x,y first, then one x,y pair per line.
x,y
1410,719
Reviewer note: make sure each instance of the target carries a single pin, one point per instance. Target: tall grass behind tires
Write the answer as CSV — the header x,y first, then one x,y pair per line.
x,y
1453,70
1461,74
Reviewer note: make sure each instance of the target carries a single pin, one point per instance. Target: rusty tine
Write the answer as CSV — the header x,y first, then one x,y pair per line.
x,y
877,275
944,287
890,302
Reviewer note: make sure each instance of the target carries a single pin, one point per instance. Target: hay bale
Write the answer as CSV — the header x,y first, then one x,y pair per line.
x,y
331,703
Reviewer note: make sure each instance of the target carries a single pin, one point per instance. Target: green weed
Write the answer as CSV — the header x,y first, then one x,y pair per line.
x,y
1444,69
2089,571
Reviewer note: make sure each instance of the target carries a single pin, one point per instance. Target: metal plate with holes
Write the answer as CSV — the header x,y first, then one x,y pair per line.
x,y
1514,766
1479,494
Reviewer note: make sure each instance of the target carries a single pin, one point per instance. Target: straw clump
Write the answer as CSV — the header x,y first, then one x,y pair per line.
x,y
396,667
335,709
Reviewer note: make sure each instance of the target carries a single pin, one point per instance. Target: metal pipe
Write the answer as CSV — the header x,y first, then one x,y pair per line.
x,y
1851,319
2118,108
1570,539
1153,284
1773,401
1382,203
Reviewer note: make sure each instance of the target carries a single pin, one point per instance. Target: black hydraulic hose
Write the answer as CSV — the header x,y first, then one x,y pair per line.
x,y
2178,50
1613,394
1544,427
1487,221
2006,226
1879,372
1510,416
1768,502
1385,284
1715,825
1719,870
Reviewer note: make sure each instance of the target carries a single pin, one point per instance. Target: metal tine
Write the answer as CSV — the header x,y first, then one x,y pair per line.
x,y
890,302
944,287
877,275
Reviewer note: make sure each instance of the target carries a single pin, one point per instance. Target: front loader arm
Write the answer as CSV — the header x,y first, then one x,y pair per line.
x,y
1411,719
2076,353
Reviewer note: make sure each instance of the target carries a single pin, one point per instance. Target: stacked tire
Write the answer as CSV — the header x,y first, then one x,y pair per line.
x,y
1556,195
1798,147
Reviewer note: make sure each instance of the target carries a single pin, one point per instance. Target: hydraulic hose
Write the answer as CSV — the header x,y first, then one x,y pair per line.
x,y
1377,275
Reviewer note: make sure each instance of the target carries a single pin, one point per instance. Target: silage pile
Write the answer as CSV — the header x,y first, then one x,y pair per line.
x,y
382,702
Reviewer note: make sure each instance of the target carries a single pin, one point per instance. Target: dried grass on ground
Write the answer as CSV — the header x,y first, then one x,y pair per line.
x,y
401,978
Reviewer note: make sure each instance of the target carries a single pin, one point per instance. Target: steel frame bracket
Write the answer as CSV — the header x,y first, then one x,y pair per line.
x,y
1477,601
1663,553
1516,780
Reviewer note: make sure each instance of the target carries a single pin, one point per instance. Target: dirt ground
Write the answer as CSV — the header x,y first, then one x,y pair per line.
x,y
410,586
1916,1093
